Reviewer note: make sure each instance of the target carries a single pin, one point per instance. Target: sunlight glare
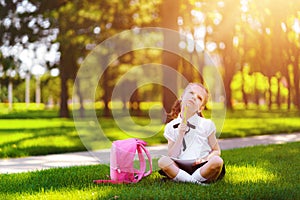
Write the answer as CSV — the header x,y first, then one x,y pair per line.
x,y
199,45
182,45
199,32
221,4
198,4
180,21
222,45
296,26
54,72
198,15
209,29
246,174
211,46
244,8
283,27
97,30
38,70
235,41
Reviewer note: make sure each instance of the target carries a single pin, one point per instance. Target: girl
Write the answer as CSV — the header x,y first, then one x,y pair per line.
x,y
193,150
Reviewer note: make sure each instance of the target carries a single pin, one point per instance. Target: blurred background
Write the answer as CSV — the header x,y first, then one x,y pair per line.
x,y
255,45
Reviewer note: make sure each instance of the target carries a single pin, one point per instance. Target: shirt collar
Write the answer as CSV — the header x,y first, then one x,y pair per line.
x,y
193,119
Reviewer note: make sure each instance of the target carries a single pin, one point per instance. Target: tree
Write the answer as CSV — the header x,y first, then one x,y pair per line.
x,y
87,23
22,26
8,66
276,50
224,34
169,13
75,22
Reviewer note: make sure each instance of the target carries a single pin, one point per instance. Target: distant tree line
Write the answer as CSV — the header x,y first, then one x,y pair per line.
x,y
257,41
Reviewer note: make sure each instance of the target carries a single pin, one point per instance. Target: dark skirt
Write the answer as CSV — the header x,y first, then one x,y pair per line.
x,y
191,169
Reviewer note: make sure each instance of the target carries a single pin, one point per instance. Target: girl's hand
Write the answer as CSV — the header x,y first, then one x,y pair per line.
x,y
183,114
187,112
182,128
199,161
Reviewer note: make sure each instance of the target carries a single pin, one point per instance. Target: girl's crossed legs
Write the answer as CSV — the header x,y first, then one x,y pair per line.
x,y
209,172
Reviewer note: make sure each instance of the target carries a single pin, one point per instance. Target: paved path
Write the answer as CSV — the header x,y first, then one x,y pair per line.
x,y
17,165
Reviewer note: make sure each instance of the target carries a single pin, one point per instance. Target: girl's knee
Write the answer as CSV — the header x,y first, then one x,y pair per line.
x,y
216,162
168,166
164,162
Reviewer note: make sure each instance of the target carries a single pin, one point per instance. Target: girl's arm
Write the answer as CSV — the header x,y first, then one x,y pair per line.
x,y
215,149
175,147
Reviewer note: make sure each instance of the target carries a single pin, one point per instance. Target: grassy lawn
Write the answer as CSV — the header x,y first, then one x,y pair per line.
x,y
263,172
27,133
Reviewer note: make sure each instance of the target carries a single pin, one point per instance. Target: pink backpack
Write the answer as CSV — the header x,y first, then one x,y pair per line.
x,y
122,156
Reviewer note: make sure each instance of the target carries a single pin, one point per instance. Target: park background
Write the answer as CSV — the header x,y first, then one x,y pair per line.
x,y
254,45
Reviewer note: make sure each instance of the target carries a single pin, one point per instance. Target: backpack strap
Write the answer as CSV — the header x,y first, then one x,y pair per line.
x,y
141,148
149,160
141,171
107,181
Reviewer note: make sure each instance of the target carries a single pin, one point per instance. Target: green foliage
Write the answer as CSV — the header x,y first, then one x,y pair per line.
x,y
256,85
251,173
19,91
3,94
50,88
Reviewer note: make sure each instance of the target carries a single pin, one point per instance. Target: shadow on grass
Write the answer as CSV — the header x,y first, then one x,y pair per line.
x,y
41,141
31,114
52,179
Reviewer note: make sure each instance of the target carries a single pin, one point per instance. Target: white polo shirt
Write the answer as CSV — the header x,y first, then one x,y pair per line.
x,y
196,140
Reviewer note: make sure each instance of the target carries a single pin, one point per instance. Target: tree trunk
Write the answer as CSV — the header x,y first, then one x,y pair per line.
x,y
256,92
270,93
10,94
134,101
64,110
278,96
289,92
227,82
169,80
296,82
169,15
287,84
200,61
245,99
81,106
107,94
187,69
229,66
27,89
38,90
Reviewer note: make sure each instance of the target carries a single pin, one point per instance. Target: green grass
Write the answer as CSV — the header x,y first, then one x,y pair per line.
x,y
263,172
243,127
26,133
243,123
25,137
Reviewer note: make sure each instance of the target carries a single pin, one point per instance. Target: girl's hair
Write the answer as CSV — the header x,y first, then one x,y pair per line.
x,y
176,108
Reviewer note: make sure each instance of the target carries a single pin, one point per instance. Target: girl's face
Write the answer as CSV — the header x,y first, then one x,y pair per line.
x,y
194,97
